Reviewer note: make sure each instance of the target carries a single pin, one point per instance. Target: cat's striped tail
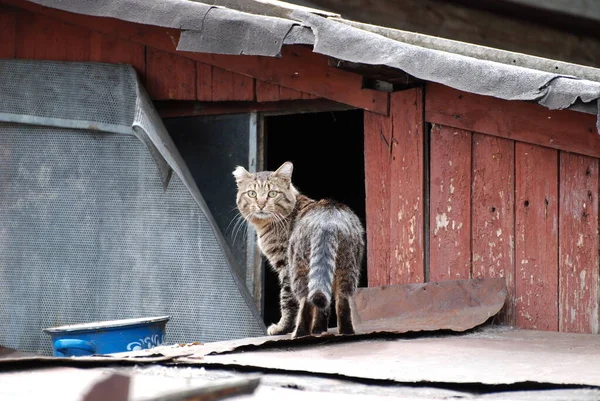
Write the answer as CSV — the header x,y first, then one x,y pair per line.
x,y
323,252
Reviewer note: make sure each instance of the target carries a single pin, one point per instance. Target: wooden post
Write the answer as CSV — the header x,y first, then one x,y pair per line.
x,y
394,159
536,245
450,204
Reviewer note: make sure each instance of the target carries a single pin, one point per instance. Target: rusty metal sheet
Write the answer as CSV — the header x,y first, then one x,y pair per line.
x,y
449,305
9,353
491,357
452,305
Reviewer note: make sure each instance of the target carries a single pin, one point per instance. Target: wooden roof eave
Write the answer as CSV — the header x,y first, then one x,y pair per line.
x,y
298,68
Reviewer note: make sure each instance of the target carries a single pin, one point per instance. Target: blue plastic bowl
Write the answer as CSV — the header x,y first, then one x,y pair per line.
x,y
107,337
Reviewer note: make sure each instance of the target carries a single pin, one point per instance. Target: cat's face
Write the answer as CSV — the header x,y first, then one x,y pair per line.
x,y
265,196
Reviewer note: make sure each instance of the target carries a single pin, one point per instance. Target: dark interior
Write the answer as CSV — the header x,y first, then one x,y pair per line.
x,y
327,150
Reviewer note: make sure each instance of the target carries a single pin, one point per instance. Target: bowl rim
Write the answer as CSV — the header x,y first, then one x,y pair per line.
x,y
106,324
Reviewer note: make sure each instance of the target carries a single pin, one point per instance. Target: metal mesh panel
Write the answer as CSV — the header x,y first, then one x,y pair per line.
x,y
87,233
68,91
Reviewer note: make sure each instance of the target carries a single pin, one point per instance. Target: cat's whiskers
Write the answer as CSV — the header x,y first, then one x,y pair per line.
x,y
239,221
279,222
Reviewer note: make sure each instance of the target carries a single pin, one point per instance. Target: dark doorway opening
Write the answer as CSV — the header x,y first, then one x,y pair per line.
x,y
327,150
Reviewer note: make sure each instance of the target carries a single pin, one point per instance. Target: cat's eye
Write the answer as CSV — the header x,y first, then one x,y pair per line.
x,y
251,194
273,194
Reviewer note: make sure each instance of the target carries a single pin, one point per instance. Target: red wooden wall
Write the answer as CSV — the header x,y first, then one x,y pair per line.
x,y
167,76
458,185
512,192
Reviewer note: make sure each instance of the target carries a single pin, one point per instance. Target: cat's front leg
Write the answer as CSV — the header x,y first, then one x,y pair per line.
x,y
289,309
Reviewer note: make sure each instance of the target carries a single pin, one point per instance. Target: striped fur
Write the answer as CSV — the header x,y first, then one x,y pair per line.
x,y
316,247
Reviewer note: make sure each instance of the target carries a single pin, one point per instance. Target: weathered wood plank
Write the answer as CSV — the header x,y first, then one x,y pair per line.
x,y
308,96
204,78
578,244
378,137
111,49
559,129
267,92
8,24
289,94
170,108
407,258
496,29
450,204
228,86
298,69
492,207
301,69
536,242
169,76
43,38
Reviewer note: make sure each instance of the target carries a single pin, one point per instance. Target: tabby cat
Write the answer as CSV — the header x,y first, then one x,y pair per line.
x,y
315,247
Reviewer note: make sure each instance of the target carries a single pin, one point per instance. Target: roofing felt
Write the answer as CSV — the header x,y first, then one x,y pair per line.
x,y
263,27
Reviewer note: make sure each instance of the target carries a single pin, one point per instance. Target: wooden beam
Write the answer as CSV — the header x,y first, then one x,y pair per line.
x,y
378,156
167,109
398,79
492,214
536,239
575,16
298,69
8,23
301,69
42,38
578,244
110,49
181,73
525,122
454,21
406,186
450,204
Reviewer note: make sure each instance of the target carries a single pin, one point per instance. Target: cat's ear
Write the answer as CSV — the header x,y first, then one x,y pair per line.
x,y
285,171
241,174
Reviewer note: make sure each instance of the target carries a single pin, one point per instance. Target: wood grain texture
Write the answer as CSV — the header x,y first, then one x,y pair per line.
x,y
447,19
407,259
111,49
42,38
308,96
8,26
536,242
525,122
578,244
229,86
298,69
493,225
289,94
450,204
169,76
268,92
204,90
302,70
378,137
170,108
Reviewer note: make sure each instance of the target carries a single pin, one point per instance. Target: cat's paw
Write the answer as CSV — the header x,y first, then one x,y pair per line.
x,y
275,330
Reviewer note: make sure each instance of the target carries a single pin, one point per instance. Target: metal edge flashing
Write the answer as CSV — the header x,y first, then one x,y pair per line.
x,y
166,147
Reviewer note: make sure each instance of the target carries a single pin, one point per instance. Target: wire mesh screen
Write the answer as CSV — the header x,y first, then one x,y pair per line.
x,y
88,233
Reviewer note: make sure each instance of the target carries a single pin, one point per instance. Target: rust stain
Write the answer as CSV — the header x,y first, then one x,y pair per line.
x,y
453,305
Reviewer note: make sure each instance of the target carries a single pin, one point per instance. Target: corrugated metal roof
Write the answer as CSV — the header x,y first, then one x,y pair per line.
x,y
254,27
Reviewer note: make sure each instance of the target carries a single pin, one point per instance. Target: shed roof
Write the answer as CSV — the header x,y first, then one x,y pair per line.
x,y
262,27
